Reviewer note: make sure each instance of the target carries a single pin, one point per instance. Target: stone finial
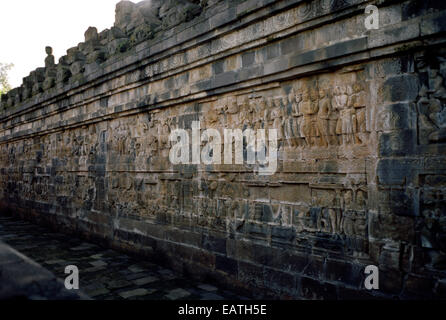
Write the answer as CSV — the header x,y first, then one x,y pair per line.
x,y
91,34
123,13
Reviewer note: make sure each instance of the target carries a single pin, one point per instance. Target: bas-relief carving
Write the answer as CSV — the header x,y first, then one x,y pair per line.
x,y
328,117
431,104
308,116
313,113
431,129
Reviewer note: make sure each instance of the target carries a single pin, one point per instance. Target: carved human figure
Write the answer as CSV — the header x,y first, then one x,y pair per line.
x,y
346,116
323,116
360,225
164,134
309,107
348,223
49,60
356,97
333,118
277,118
335,220
246,113
212,117
270,106
261,121
288,121
437,109
347,199
357,101
232,107
431,116
50,69
123,147
152,142
436,83
314,97
297,118
323,221
361,199
360,125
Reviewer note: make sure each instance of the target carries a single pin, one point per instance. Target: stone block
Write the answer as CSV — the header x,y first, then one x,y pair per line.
x,y
419,286
393,227
394,33
250,273
312,289
396,171
344,272
248,59
226,265
214,243
390,282
432,25
401,88
280,282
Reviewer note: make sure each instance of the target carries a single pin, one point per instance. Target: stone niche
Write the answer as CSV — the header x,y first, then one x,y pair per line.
x,y
360,120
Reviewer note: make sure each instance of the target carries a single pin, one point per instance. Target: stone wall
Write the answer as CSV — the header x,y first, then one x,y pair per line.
x,y
361,117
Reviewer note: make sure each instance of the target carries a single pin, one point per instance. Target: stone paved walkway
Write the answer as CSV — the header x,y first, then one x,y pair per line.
x,y
104,274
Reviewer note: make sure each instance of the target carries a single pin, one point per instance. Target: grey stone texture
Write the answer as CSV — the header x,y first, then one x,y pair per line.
x,y
362,134
34,273
23,279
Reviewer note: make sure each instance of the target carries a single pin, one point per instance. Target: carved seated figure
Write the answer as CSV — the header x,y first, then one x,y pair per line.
x,y
50,69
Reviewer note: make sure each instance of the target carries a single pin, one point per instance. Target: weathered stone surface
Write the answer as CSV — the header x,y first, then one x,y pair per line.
x,y
360,119
22,278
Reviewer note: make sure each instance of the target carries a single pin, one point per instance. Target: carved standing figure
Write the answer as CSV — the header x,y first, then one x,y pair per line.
x,y
323,117
288,121
297,119
345,122
309,107
277,118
